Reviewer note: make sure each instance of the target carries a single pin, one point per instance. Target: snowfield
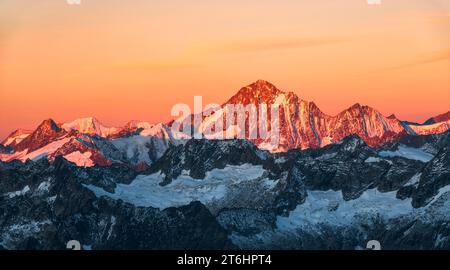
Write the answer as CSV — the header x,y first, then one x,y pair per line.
x,y
37,154
409,153
326,209
81,159
216,186
330,207
19,192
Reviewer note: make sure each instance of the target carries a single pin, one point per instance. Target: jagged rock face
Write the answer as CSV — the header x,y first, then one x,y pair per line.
x,y
430,129
293,192
87,142
434,176
5,149
200,156
16,137
335,197
246,221
259,92
417,184
439,118
430,143
106,148
303,125
195,228
54,208
333,182
367,123
342,167
102,176
45,133
435,125
132,128
81,149
148,146
77,146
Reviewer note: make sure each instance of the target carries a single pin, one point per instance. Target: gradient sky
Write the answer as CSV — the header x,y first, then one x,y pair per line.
x,y
122,60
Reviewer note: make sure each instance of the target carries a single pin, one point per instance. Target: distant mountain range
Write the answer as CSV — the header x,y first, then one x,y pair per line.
x,y
302,125
333,182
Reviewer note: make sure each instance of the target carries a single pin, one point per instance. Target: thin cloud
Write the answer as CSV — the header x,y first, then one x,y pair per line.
x,y
427,59
194,56
154,65
265,44
430,58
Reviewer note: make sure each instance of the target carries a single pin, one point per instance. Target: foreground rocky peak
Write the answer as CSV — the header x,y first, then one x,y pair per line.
x,y
229,194
200,156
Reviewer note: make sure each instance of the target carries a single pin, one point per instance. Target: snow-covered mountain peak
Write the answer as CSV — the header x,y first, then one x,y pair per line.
x,y
257,92
86,125
135,124
47,125
445,117
392,116
16,137
46,132
91,126
159,130
302,125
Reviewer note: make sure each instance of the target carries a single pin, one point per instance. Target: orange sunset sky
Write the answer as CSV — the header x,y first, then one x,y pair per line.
x,y
122,60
